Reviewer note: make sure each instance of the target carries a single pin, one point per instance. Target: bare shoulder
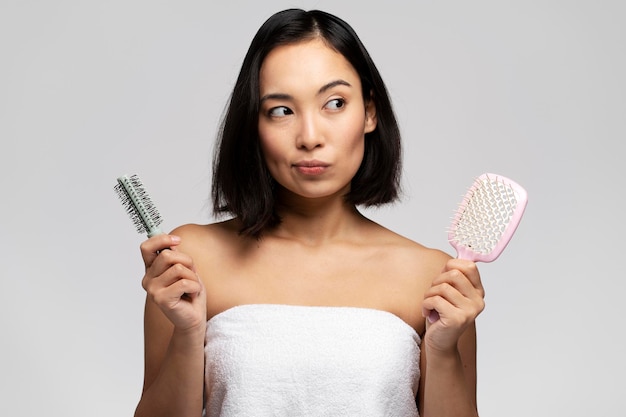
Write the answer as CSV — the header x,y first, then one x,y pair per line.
x,y
424,261
201,232
409,268
206,241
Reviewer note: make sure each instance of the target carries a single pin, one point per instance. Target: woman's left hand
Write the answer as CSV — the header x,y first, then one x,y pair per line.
x,y
452,303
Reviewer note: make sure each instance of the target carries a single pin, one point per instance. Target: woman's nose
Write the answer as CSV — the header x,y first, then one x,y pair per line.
x,y
309,133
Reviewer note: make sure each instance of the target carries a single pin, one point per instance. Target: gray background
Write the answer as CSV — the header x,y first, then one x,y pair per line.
x,y
533,90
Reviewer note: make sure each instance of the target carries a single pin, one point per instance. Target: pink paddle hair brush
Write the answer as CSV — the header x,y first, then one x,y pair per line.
x,y
487,217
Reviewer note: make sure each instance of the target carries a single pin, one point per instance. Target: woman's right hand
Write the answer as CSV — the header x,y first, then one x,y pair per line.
x,y
172,283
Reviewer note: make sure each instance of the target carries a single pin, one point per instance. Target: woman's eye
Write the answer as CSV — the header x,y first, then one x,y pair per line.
x,y
335,104
280,111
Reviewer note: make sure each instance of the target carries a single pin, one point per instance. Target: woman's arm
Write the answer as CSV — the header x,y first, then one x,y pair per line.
x,y
174,331
448,362
448,382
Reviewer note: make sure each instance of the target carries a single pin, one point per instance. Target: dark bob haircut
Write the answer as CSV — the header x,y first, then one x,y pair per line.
x,y
242,185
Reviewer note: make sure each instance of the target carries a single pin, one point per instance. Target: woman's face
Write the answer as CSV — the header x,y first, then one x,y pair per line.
x,y
312,119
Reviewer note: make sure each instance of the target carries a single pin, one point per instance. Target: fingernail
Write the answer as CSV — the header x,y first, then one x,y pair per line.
x,y
433,316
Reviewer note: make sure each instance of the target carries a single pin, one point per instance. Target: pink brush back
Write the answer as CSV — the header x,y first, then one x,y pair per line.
x,y
487,218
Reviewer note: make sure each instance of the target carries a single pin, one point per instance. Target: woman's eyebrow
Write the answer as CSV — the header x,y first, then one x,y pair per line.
x,y
324,88
276,96
333,84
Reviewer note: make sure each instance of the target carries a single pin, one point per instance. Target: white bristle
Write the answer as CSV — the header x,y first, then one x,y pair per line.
x,y
138,204
484,215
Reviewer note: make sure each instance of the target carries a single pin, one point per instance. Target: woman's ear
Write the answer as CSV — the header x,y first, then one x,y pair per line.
x,y
370,115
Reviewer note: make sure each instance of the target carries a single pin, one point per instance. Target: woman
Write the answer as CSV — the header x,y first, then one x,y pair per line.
x,y
298,304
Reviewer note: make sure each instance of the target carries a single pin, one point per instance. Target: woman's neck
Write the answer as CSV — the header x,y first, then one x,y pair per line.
x,y
316,221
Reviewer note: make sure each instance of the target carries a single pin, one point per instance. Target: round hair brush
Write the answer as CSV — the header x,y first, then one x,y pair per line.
x,y
138,204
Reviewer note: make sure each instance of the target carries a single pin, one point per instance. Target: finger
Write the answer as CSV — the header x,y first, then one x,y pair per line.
x,y
151,247
472,302
460,282
167,259
465,277
436,307
171,295
448,292
458,293
468,268
451,315
432,316
177,272
153,282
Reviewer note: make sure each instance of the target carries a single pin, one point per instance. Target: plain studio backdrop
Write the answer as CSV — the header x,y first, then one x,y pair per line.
x,y
532,90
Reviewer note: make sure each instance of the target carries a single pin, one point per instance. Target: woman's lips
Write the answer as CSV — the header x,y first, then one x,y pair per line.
x,y
312,167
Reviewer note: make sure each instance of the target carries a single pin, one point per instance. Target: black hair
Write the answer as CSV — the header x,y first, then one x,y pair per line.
x,y
242,185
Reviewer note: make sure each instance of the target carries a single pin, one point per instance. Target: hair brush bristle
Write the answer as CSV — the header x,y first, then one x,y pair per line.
x,y
487,217
138,204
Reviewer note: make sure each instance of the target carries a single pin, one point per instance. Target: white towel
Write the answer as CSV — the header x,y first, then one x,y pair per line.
x,y
292,361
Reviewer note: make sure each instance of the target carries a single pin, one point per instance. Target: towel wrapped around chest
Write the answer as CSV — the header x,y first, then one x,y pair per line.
x,y
296,361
